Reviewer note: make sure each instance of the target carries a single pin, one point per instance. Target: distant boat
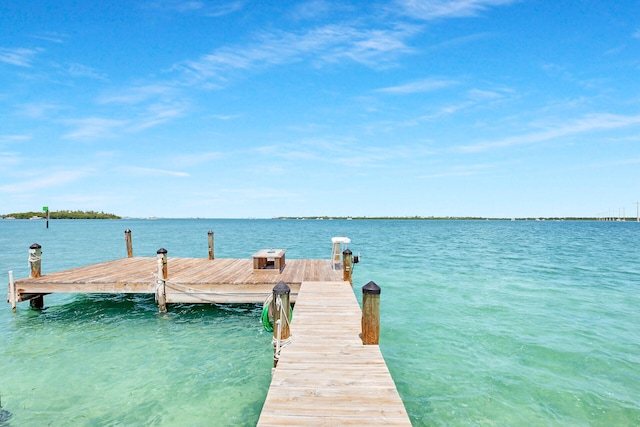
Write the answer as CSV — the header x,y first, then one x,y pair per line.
x,y
349,218
36,217
9,217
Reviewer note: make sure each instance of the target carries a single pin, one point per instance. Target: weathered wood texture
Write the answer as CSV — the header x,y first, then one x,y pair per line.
x,y
326,376
190,280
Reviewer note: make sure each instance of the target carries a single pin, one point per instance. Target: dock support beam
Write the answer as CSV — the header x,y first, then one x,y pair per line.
x,y
35,262
370,314
127,239
347,265
281,311
163,273
210,234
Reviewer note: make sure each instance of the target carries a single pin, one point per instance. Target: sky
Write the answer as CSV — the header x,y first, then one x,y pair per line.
x,y
234,109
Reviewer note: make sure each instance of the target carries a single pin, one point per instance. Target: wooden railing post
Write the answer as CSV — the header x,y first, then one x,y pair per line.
x,y
35,262
370,313
211,256
281,310
161,291
127,239
347,265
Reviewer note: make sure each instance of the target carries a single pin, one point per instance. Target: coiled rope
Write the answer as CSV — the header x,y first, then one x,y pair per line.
x,y
268,316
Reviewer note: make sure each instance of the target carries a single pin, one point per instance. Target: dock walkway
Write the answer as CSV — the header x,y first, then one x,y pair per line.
x,y
326,376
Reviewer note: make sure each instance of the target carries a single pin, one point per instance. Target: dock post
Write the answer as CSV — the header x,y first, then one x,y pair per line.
x,y
210,244
127,239
370,313
161,292
12,291
281,310
347,265
35,262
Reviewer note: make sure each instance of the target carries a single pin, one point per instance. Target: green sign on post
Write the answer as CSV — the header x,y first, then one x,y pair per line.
x,y
45,208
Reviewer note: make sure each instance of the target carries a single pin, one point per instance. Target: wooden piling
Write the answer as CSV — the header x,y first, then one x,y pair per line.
x,y
12,291
370,314
347,265
127,239
210,234
35,262
281,310
163,273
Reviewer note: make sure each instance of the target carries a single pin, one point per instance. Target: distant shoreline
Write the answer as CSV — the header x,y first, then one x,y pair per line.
x,y
452,218
102,215
60,215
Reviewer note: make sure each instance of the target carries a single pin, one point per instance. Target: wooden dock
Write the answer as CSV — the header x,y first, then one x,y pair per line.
x,y
189,280
326,376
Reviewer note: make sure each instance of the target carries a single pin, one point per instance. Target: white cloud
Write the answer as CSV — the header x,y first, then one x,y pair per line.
x,y
227,117
225,9
216,9
14,138
177,5
433,9
466,170
136,94
38,110
51,37
420,86
93,127
312,9
188,160
590,123
79,70
142,171
50,179
374,48
9,158
483,95
156,115
20,57
98,127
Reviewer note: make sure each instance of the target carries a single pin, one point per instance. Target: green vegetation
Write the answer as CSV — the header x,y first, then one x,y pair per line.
x,y
63,215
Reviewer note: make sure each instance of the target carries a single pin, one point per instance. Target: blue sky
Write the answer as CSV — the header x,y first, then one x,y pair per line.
x,y
220,109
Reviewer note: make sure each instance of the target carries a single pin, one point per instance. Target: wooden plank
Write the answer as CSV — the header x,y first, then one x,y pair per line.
x,y
325,376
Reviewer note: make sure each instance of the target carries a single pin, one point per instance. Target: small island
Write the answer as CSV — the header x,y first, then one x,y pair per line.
x,y
64,214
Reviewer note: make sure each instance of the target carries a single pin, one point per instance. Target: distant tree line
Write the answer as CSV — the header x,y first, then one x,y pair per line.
x,y
447,218
65,214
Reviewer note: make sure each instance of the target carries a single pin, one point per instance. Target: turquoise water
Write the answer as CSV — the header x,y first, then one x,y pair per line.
x,y
483,323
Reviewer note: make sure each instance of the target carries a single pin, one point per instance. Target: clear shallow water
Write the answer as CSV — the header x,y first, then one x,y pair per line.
x,y
483,323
